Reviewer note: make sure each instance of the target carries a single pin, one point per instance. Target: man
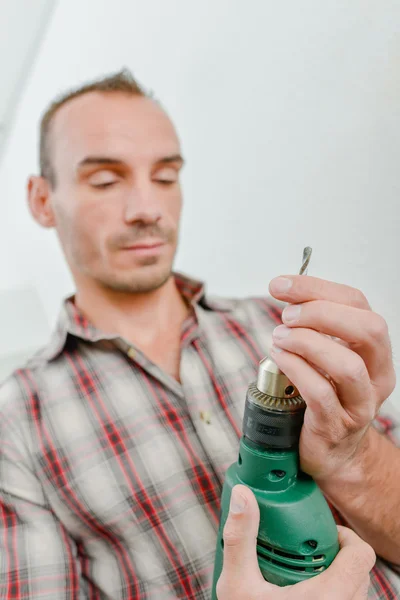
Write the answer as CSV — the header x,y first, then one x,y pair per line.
x,y
115,438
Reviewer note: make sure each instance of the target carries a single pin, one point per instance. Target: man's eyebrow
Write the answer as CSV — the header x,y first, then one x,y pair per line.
x,y
174,158
109,160
99,160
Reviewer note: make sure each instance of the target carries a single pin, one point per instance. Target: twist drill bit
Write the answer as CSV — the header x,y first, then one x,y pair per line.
x,y
306,260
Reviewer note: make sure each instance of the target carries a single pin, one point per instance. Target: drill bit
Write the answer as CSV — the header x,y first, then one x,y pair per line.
x,y
306,260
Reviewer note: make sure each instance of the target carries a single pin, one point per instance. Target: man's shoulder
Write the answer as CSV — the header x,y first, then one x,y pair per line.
x,y
19,390
12,399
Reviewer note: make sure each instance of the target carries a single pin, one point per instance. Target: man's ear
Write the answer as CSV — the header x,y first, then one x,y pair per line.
x,y
39,201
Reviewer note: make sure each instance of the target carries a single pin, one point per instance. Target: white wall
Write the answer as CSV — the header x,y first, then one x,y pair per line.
x,y
19,38
289,116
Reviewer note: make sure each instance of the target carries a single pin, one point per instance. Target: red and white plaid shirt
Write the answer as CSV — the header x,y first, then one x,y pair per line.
x,y
111,471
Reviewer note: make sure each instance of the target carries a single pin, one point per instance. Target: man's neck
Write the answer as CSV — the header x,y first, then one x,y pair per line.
x,y
141,318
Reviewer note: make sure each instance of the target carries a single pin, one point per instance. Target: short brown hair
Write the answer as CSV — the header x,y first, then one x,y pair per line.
x,y
122,81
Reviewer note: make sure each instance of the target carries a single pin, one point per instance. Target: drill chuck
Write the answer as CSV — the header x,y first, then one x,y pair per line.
x,y
274,409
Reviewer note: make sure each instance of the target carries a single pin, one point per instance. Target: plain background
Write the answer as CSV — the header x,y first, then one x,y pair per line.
x,y
289,116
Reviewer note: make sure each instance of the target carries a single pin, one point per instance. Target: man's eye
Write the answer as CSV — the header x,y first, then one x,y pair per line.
x,y
165,181
104,185
103,179
166,176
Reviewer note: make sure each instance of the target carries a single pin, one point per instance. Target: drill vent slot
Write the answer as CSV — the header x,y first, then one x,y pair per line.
x,y
286,554
294,562
291,567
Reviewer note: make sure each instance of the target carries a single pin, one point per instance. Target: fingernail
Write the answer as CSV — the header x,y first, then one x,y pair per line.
x,y
276,350
281,332
291,313
238,502
280,284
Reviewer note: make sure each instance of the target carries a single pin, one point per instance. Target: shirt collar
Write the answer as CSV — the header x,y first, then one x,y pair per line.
x,y
72,322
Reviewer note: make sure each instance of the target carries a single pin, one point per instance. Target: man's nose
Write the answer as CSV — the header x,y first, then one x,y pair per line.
x,y
141,205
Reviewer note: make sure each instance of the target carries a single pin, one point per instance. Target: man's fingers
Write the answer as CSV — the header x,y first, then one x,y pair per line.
x,y
346,369
346,577
364,331
240,535
297,288
317,391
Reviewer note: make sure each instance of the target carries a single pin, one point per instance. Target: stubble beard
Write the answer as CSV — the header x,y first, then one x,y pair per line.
x,y
145,281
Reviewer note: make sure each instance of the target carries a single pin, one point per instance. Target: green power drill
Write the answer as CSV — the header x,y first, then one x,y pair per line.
x,y
297,537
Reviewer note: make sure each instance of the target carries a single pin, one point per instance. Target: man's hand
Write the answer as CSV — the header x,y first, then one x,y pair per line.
x,y
345,380
346,579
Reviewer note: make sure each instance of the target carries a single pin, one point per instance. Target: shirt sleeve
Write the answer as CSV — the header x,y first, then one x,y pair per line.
x,y
388,421
38,559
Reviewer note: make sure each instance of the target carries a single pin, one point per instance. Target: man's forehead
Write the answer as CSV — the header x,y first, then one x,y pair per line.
x,y
114,121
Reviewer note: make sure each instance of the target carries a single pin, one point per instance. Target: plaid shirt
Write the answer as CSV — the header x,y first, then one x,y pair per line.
x,y
111,471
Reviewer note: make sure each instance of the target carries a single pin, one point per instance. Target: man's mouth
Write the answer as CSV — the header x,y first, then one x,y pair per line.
x,y
145,247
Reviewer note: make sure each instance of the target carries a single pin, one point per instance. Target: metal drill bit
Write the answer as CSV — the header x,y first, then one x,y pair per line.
x,y
306,260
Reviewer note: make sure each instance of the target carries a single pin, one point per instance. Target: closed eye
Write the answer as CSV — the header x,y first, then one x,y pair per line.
x,y
165,181
103,179
104,185
166,175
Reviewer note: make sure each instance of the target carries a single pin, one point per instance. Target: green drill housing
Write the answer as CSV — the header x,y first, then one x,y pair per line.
x,y
297,537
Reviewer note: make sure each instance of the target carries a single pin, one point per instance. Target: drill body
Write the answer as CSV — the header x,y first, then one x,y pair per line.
x,y
297,536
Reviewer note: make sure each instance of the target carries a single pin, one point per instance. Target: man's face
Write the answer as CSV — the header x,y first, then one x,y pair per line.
x,y
117,199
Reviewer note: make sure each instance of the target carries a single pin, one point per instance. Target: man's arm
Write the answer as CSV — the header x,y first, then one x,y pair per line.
x,y
37,556
367,494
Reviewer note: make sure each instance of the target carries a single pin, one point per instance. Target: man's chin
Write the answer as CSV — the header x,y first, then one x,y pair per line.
x,y
145,279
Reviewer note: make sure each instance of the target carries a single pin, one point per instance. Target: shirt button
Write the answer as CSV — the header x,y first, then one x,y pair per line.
x,y
131,352
205,416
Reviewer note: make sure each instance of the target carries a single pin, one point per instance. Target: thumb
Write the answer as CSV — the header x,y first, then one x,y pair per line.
x,y
240,537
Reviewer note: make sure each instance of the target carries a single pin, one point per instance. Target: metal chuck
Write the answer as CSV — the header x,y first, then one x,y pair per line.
x,y
274,410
